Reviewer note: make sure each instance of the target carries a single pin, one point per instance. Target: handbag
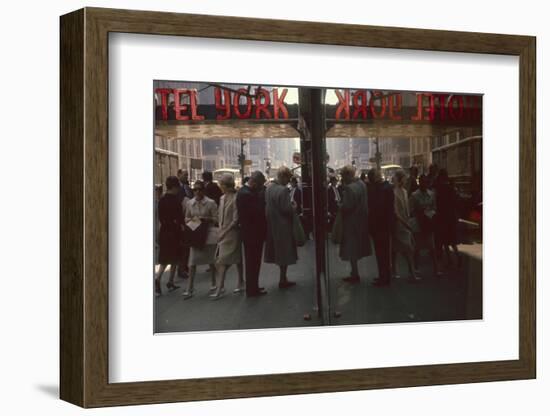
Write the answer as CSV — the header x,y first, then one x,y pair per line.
x,y
196,238
298,231
426,221
337,229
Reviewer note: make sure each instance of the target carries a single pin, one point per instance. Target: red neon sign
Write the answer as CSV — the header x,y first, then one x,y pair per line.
x,y
227,104
359,104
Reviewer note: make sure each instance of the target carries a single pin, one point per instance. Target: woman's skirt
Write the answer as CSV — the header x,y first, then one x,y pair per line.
x,y
402,241
206,255
424,240
170,247
229,251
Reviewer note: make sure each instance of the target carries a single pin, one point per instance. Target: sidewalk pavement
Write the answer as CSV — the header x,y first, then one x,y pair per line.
x,y
455,296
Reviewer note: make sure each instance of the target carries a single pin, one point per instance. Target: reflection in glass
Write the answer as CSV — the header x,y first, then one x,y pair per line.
x,y
304,207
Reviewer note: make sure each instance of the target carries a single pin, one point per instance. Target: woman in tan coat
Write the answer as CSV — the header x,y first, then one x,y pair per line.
x,y
201,209
402,238
229,239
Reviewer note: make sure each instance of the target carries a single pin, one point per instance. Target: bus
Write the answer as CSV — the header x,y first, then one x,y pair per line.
x,y
463,162
388,171
218,173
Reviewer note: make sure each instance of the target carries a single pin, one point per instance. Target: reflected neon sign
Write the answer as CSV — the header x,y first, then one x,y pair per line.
x,y
263,104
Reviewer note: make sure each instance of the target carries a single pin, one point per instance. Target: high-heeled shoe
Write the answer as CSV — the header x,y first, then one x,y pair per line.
x,y
285,284
171,286
217,295
413,278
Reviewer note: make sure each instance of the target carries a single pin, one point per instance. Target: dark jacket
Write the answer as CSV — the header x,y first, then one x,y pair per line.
x,y
185,191
298,199
332,202
170,216
214,192
251,209
381,209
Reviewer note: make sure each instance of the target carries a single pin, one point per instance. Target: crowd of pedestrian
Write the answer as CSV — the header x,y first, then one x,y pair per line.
x,y
216,225
368,215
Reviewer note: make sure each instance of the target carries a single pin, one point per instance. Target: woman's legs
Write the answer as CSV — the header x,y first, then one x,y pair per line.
x,y
283,281
394,264
173,268
170,285
410,263
221,270
409,258
158,276
354,275
189,291
160,272
240,274
213,277
448,255
190,284
354,268
282,273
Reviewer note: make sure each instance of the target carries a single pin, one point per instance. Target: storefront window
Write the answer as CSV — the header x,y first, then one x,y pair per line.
x,y
304,207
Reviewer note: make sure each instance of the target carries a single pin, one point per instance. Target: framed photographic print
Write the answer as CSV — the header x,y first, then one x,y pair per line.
x,y
291,207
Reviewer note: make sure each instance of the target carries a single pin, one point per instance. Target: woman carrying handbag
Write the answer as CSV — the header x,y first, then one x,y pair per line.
x,y
201,216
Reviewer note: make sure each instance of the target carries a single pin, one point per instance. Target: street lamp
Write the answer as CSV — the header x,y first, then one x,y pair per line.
x,y
377,155
242,158
267,165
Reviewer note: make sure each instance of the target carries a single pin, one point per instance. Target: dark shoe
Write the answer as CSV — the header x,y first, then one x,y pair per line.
x,y
414,279
256,294
171,286
285,284
380,283
352,279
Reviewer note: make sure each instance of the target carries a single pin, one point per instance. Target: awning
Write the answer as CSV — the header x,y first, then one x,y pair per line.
x,y
273,129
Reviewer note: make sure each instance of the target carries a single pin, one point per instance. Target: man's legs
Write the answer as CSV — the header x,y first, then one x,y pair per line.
x,y
382,247
253,260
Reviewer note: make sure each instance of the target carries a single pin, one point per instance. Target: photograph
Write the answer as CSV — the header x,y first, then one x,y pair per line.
x,y
279,206
255,208
276,208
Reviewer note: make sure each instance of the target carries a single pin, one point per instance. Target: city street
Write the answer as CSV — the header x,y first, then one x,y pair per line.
x,y
454,296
